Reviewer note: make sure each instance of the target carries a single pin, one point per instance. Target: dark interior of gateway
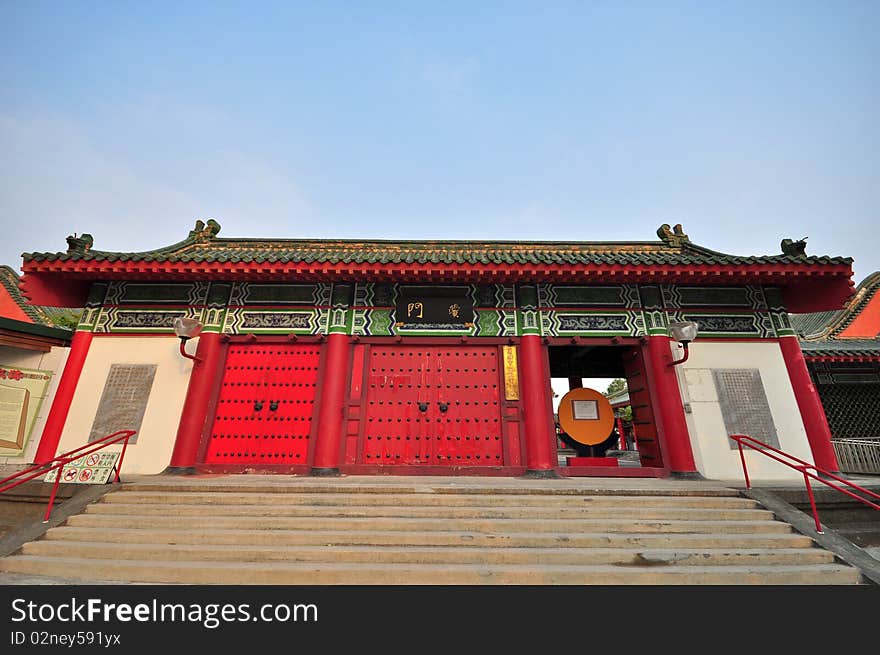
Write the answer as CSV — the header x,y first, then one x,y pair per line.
x,y
570,367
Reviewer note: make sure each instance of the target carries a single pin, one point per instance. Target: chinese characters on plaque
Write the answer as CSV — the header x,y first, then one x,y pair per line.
x,y
434,307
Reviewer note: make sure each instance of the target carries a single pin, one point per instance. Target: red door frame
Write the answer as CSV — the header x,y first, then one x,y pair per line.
x,y
614,471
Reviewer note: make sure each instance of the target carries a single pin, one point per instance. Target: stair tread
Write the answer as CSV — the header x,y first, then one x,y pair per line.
x,y
356,566
356,548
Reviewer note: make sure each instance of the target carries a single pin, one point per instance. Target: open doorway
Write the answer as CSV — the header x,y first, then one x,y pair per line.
x,y
613,371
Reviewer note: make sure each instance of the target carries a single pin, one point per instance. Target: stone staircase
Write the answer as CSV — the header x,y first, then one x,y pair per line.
x,y
327,532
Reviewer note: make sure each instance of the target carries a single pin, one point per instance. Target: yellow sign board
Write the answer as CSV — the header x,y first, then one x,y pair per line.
x,y
511,374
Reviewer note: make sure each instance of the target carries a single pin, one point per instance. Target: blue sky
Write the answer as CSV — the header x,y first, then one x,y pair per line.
x,y
747,122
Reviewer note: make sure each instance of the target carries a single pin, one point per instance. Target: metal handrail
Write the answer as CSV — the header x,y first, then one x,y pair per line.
x,y
804,468
60,461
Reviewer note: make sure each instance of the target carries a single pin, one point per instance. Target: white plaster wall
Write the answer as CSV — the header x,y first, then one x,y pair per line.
x,y
155,439
712,454
54,361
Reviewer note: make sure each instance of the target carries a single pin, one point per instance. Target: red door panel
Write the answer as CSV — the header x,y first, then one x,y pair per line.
x,y
264,410
433,405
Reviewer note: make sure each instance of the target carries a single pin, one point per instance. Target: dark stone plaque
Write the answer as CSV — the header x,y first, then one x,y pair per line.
x,y
744,405
124,400
434,306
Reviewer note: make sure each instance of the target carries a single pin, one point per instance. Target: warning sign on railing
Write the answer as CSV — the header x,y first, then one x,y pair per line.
x,y
94,468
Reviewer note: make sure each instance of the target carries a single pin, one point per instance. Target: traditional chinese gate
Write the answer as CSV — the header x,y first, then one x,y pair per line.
x,y
433,405
265,406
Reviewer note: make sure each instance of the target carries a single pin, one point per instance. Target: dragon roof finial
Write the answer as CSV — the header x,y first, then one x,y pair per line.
x,y
672,236
794,248
79,244
205,231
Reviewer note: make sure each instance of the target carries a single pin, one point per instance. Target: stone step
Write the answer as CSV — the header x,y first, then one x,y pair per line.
x,y
551,488
450,537
284,573
436,512
422,500
157,552
418,524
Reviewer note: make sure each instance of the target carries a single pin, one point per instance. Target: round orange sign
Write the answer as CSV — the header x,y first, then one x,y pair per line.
x,y
586,416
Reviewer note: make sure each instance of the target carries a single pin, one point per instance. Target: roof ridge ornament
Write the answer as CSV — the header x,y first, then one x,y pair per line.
x,y
79,244
794,248
204,231
672,236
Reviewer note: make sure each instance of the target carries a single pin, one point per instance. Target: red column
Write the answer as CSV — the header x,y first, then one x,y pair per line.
x,y
809,404
329,439
79,348
195,406
537,409
669,409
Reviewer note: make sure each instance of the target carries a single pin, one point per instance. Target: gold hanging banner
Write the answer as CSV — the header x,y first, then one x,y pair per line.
x,y
511,374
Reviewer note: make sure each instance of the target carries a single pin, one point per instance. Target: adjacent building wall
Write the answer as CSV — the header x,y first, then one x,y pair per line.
x,y
715,459
155,439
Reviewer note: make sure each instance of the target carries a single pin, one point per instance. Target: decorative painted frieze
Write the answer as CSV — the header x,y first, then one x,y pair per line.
x,y
269,321
684,297
92,310
782,324
493,310
656,323
728,325
136,293
556,295
115,319
340,316
593,323
251,293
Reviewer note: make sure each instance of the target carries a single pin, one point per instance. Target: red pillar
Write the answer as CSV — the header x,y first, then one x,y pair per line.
x,y
329,439
79,348
195,406
537,409
809,404
669,409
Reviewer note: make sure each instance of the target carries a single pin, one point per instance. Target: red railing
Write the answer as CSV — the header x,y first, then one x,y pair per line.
x,y
60,461
806,469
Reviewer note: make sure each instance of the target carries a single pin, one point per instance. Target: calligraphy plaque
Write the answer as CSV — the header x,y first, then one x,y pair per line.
x,y
434,307
511,374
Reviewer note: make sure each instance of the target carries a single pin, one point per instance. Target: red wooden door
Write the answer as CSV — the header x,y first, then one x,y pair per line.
x,y
433,405
264,410
643,421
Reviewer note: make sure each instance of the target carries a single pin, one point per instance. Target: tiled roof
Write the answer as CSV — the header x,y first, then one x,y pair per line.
x,y
202,246
815,323
842,347
9,279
